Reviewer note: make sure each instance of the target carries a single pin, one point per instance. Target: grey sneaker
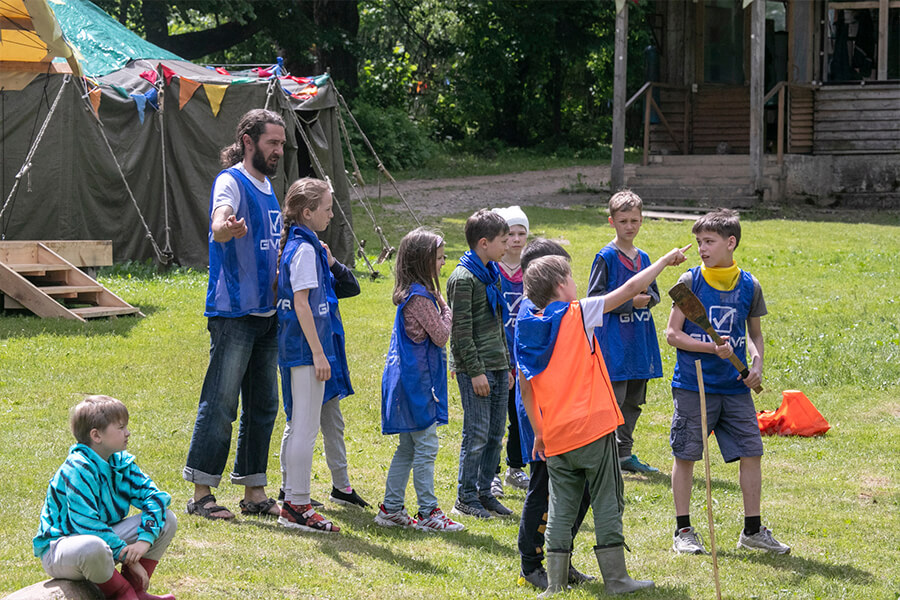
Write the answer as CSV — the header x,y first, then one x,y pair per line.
x,y
687,541
763,540
517,478
475,509
493,506
537,578
497,487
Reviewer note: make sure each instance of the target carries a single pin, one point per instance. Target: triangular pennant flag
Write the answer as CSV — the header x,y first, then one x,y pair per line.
x,y
152,96
186,89
149,76
121,91
215,94
620,4
168,74
95,95
140,102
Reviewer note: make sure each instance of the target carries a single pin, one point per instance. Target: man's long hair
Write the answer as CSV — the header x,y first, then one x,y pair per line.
x,y
253,123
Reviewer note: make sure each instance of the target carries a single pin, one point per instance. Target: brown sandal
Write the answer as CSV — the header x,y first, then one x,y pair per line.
x,y
248,507
198,507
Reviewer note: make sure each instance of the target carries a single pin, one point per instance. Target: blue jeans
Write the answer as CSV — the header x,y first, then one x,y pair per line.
x,y
243,355
484,420
417,450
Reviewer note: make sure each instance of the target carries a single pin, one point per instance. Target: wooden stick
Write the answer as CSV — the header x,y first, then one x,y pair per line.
x,y
709,511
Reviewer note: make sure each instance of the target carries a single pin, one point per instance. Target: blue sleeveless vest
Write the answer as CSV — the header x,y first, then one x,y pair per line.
x,y
414,383
293,349
727,311
628,340
511,292
241,271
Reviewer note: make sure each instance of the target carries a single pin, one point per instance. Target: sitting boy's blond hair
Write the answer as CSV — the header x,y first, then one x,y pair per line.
x,y
624,200
543,276
96,412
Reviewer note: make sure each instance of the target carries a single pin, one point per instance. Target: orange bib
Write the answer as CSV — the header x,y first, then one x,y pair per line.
x,y
573,393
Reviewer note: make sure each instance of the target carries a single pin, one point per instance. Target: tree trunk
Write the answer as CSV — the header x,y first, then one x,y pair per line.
x,y
338,20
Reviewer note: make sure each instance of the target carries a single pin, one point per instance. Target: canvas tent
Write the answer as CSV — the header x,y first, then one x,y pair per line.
x,y
163,137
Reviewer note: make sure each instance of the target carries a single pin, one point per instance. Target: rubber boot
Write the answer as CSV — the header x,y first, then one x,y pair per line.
x,y
117,588
557,572
576,577
615,577
141,594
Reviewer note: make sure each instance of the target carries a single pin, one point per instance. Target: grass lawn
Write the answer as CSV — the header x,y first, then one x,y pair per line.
x,y
833,331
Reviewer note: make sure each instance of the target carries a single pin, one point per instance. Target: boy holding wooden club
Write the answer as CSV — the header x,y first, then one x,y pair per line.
x,y
734,301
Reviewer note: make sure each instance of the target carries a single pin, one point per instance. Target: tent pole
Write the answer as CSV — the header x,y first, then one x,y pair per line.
x,y
162,148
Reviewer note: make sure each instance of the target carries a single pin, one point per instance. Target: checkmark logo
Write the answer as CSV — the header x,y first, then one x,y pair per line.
x,y
722,318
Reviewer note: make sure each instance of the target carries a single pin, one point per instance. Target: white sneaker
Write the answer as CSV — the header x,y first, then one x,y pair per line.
x,y
687,541
497,487
517,478
437,521
394,519
762,540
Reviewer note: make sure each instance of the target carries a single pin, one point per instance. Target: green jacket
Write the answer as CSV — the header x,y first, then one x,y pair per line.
x,y
477,338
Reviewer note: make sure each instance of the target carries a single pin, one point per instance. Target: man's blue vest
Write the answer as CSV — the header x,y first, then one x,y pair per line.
x,y
414,383
293,349
241,271
627,340
727,312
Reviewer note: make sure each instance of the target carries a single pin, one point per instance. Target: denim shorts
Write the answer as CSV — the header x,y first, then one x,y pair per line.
x,y
731,416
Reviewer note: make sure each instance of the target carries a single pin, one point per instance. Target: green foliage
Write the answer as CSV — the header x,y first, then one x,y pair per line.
x,y
831,331
399,141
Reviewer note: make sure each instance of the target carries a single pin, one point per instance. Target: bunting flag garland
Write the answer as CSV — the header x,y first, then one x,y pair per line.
x,y
140,101
149,76
152,96
215,94
121,91
186,91
95,95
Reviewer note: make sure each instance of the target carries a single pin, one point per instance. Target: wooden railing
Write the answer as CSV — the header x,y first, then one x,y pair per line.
x,y
647,91
781,88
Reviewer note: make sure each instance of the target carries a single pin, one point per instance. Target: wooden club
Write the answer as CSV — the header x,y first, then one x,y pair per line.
x,y
694,311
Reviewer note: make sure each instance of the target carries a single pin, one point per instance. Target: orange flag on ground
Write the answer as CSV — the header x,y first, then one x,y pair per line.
x,y
795,416
186,89
215,94
95,95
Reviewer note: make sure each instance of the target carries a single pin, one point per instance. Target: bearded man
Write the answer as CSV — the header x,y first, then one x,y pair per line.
x,y
244,232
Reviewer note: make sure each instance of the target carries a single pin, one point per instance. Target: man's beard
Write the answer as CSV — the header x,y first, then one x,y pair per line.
x,y
260,164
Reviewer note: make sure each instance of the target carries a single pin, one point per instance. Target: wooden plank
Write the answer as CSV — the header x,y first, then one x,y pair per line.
x,y
22,66
857,146
857,135
670,215
886,125
32,269
856,105
81,253
872,115
69,290
93,312
103,298
882,60
869,92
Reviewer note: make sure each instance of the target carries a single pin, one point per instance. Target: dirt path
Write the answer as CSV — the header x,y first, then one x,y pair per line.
x,y
556,188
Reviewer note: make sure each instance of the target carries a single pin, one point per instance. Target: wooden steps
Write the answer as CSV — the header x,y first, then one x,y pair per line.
x,y
35,278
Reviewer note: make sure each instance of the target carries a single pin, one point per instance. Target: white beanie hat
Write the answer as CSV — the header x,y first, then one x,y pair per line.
x,y
514,216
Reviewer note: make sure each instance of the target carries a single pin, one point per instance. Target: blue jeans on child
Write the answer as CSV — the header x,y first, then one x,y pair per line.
x,y
484,420
243,355
417,450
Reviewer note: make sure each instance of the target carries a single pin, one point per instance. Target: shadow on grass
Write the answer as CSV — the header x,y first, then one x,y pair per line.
x,y
669,592
339,547
26,325
665,479
801,568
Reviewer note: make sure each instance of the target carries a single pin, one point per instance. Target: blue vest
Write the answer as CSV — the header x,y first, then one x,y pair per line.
x,y
511,292
414,383
627,340
293,349
526,433
727,312
241,271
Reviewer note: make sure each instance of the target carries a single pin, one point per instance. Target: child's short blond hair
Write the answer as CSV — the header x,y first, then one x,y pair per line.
x,y
625,200
543,276
96,412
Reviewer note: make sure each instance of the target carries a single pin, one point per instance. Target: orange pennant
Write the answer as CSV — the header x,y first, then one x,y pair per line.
x,y
95,95
215,94
186,89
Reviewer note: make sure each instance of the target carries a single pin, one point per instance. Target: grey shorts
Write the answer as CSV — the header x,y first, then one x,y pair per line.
x,y
732,416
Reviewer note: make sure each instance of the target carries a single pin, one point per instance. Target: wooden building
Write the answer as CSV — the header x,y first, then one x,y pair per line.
x,y
774,101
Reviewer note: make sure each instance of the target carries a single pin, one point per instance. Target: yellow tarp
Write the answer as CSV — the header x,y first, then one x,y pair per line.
x,y
30,38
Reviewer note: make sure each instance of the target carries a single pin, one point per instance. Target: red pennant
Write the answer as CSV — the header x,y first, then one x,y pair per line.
x,y
168,74
149,76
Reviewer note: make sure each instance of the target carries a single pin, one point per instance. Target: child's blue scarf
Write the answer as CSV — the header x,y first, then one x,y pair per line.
x,y
536,335
488,274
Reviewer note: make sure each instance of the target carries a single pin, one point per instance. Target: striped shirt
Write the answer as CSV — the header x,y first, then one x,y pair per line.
x,y
88,494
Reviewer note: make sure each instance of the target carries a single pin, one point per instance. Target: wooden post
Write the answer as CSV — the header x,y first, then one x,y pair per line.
x,y
757,82
647,95
619,90
883,8
781,93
